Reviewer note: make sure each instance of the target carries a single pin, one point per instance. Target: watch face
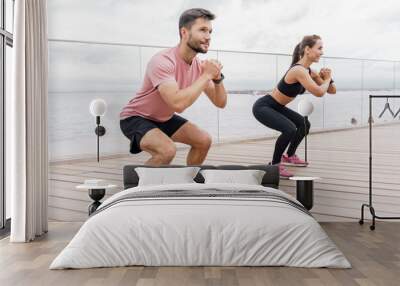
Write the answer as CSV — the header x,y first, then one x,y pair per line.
x,y
219,80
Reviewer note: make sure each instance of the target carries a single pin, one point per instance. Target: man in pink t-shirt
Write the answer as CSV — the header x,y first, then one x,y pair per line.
x,y
174,79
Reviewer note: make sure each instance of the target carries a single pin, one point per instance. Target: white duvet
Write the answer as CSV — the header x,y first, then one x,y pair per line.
x,y
183,231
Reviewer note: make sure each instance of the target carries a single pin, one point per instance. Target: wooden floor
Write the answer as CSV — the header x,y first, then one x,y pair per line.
x,y
374,255
340,158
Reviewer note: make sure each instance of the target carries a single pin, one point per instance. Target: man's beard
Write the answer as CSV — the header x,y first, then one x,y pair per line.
x,y
195,46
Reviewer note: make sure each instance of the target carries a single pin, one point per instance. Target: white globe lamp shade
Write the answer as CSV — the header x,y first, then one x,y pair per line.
x,y
98,107
305,107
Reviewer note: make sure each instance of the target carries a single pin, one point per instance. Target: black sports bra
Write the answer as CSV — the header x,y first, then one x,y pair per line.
x,y
291,89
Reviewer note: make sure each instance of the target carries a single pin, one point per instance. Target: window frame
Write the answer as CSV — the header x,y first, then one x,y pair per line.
x,y
6,39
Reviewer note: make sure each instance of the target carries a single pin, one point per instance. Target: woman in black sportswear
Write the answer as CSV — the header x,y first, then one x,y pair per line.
x,y
271,109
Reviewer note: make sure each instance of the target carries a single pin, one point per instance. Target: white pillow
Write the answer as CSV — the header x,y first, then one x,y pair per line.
x,y
248,177
166,176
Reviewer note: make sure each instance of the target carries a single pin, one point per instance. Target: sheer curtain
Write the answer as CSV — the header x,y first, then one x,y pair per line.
x,y
26,123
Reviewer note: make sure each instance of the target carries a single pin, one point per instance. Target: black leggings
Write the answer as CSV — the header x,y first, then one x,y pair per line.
x,y
276,116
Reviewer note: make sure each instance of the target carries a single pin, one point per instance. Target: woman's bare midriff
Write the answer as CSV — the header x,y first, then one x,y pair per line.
x,y
280,97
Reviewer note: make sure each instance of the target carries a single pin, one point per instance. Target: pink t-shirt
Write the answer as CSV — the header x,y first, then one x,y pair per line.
x,y
165,66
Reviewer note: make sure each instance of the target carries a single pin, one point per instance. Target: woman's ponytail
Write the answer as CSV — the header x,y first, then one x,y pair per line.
x,y
296,54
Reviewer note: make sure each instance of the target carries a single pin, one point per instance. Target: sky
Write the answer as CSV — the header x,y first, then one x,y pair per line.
x,y
351,29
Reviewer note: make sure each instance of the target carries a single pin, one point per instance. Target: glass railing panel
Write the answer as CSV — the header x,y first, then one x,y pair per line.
x,y
249,77
344,109
79,73
379,79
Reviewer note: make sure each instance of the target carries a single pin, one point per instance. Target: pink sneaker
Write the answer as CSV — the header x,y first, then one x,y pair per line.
x,y
293,160
283,172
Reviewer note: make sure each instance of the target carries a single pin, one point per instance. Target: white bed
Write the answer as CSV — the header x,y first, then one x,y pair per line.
x,y
249,225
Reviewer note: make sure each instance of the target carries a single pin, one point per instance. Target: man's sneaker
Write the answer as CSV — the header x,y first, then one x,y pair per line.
x,y
293,161
283,172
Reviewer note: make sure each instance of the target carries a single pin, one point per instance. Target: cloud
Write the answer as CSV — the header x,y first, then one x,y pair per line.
x,y
347,27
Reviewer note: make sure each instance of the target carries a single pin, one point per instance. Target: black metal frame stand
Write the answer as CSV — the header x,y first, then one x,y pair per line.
x,y
96,195
100,131
369,205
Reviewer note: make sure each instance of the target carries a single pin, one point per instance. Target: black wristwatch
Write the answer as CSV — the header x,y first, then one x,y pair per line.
x,y
217,81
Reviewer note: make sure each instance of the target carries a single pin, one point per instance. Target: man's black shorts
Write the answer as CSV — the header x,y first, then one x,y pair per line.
x,y
135,127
